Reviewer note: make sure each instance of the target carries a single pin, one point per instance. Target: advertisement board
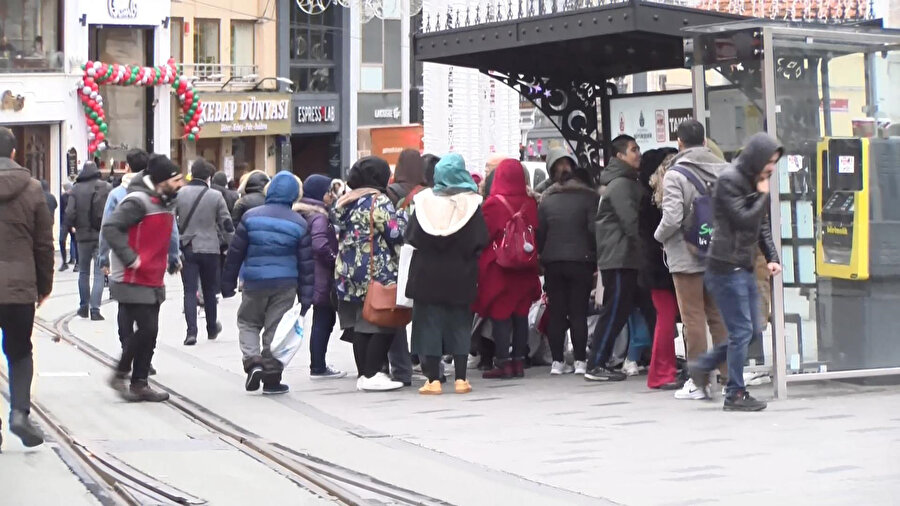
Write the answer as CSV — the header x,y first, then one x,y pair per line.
x,y
652,119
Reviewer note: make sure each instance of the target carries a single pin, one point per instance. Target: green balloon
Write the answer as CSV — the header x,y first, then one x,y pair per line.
x,y
104,127
94,116
191,137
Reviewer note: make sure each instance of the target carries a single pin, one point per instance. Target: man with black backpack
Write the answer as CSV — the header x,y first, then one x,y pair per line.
x,y
84,216
686,206
204,224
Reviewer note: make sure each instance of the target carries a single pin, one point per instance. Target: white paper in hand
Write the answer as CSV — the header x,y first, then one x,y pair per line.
x,y
406,254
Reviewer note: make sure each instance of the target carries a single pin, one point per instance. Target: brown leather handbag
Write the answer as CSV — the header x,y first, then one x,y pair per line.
x,y
380,306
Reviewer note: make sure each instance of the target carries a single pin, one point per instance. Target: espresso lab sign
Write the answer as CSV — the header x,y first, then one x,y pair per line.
x,y
246,114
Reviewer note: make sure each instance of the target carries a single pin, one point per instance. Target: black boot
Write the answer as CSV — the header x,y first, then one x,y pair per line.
x,y
743,401
20,425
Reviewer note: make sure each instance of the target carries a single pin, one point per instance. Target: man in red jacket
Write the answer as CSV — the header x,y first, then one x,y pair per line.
x,y
138,233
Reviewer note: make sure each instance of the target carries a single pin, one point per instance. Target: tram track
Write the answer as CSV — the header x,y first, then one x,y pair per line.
x,y
115,483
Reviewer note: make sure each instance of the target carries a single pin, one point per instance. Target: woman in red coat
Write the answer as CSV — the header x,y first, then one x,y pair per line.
x,y
505,295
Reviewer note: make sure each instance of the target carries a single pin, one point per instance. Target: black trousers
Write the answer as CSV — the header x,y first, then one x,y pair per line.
x,y
621,295
200,270
568,292
140,343
17,322
370,352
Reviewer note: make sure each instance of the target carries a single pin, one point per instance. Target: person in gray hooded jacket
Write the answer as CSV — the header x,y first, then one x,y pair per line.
x,y
695,302
559,163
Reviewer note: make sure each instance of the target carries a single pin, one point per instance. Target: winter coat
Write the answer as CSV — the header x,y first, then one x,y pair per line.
x,y
351,217
449,234
618,240
740,213
324,248
274,245
26,229
210,227
51,200
63,202
78,206
678,196
409,176
253,196
565,230
115,197
220,184
140,227
503,292
654,273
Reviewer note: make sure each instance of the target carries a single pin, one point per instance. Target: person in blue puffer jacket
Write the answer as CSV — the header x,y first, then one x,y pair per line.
x,y
274,246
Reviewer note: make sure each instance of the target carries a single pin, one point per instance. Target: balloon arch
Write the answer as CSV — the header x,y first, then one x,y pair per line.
x,y
98,73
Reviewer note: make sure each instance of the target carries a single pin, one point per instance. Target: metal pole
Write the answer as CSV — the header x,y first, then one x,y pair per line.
x,y
699,88
826,96
779,359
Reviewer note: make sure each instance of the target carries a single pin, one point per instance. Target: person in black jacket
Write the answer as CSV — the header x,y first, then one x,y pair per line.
x,y
449,233
65,234
220,184
567,250
253,194
741,223
84,214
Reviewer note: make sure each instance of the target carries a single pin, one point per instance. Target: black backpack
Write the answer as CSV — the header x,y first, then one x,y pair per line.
x,y
98,204
698,225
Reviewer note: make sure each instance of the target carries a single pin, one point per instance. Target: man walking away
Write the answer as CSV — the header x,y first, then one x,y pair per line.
x,y
274,246
51,200
741,222
695,302
65,232
139,232
84,214
26,268
618,254
202,219
220,184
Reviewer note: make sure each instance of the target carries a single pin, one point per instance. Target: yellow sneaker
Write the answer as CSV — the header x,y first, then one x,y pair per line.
x,y
431,388
463,386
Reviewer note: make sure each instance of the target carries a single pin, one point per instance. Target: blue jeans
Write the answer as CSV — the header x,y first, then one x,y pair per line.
x,y
89,255
324,318
737,296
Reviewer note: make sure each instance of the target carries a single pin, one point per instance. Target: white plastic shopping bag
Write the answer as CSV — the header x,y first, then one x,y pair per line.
x,y
406,254
288,336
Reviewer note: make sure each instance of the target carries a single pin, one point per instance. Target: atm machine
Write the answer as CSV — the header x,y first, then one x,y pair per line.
x,y
858,252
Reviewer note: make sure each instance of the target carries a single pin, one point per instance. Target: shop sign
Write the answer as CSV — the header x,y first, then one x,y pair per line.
x,y
244,114
315,114
652,119
375,109
389,113
122,9
676,118
72,164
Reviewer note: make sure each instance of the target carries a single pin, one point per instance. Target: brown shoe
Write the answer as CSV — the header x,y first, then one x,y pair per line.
x,y
431,388
141,392
502,371
463,386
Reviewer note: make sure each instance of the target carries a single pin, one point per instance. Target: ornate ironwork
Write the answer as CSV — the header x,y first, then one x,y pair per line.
x,y
570,105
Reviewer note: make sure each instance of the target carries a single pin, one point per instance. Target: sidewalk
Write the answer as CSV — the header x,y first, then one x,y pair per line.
x,y
542,439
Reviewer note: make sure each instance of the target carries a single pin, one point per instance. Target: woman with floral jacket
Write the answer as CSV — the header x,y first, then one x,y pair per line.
x,y
367,180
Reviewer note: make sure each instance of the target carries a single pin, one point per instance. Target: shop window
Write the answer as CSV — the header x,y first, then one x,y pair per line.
x,y
31,36
206,48
312,51
380,58
177,39
242,47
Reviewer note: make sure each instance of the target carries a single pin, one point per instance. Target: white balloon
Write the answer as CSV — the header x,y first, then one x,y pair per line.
x,y
91,135
91,72
94,95
195,130
97,65
86,90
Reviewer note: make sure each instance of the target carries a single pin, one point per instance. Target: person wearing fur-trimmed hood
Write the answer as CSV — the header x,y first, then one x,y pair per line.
x,y
449,233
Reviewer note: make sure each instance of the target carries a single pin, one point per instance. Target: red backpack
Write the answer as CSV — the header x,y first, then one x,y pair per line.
x,y
517,248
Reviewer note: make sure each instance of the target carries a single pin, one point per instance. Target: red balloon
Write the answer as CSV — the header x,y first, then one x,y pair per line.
x,y
100,136
95,128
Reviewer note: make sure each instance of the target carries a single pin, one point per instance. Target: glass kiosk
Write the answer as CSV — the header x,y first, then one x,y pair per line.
x,y
830,96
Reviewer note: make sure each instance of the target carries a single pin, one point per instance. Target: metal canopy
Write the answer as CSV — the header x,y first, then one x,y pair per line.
x,y
587,45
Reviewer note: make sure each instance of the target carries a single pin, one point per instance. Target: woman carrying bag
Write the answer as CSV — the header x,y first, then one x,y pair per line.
x,y
449,233
370,233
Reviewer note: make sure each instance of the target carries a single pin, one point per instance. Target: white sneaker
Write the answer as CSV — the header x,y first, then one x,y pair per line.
x,y
580,367
630,368
690,392
359,382
559,368
755,379
381,382
473,361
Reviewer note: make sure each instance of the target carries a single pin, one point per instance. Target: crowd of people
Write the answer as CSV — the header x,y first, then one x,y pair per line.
x,y
652,238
